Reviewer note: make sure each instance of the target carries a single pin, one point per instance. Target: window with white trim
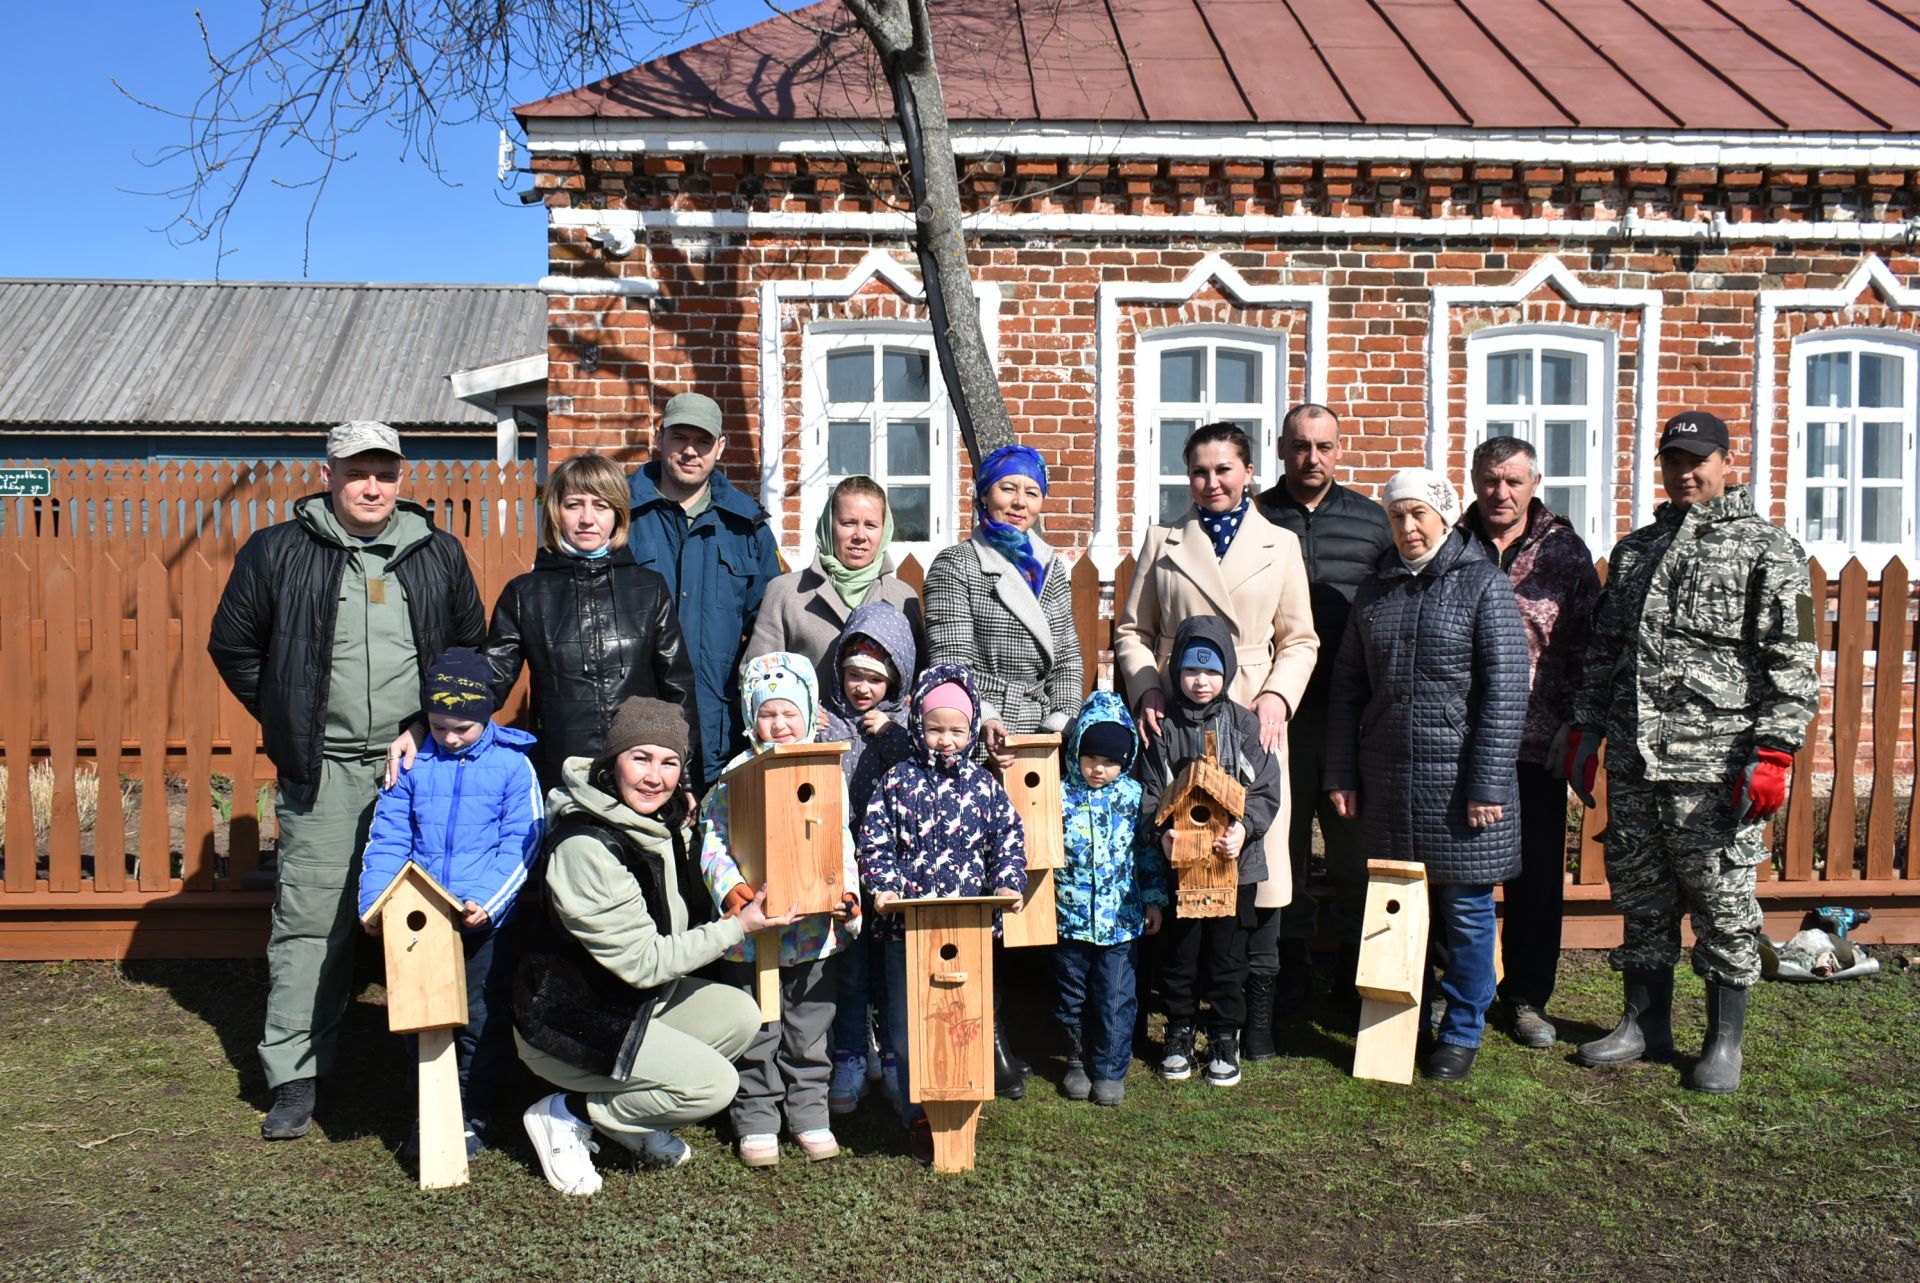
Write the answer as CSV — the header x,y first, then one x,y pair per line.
x,y
873,403
1551,389
1203,374
1851,445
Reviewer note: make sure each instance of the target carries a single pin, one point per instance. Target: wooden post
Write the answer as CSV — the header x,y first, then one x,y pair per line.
x,y
427,996
1033,785
1392,972
950,1017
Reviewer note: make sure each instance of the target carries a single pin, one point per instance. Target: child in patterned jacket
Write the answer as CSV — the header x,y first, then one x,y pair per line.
x,y
939,825
787,1063
1109,894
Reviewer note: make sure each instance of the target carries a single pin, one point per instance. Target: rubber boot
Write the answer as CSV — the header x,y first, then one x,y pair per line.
x,y
1719,1068
1009,1072
1256,1039
1645,1031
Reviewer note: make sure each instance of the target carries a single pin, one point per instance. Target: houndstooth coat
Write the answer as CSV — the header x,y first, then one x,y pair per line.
x,y
1023,652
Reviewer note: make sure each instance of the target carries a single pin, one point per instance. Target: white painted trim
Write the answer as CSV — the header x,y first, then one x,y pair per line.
x,y
890,223
487,380
1871,273
877,265
1547,271
1267,344
1097,140
600,286
1105,549
1599,347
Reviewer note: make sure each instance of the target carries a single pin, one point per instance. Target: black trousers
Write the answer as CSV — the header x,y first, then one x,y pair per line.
x,y
1207,958
1535,901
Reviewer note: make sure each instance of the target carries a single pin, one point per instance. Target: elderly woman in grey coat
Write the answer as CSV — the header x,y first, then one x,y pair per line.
x,y
1424,716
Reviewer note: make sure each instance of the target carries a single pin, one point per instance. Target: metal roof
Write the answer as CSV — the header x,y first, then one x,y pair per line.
x,y
1846,66
259,353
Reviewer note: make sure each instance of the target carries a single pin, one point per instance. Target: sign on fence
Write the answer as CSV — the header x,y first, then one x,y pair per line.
x,y
25,481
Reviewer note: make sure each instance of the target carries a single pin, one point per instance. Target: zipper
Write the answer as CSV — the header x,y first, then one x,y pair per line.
x,y
453,817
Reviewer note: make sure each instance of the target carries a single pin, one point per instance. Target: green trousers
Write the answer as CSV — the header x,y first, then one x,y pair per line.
x,y
683,1072
310,952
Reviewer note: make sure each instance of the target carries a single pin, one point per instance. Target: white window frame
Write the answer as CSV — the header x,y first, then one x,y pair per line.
x,y
1834,554
1603,374
816,483
1270,346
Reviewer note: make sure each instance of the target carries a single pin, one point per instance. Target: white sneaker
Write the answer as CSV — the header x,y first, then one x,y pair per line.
x,y
849,1082
564,1144
663,1149
818,1144
760,1149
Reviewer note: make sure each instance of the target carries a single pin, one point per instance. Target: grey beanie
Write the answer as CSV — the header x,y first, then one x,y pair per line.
x,y
640,720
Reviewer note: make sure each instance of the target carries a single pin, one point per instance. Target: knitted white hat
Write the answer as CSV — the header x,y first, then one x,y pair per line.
x,y
1426,485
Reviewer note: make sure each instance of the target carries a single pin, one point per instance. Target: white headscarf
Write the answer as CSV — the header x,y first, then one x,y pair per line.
x,y
1432,489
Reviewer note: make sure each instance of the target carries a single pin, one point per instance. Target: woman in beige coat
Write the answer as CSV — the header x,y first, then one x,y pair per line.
x,y
1224,558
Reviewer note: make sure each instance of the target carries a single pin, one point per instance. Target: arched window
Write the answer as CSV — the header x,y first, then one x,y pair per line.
x,y
1203,374
1551,388
1851,445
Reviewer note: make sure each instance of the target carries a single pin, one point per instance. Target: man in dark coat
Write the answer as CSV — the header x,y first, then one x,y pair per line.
x,y
710,542
1555,586
324,633
1342,535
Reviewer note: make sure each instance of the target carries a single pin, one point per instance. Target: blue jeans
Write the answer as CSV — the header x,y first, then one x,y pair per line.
x,y
1095,1003
1463,928
896,1022
480,1047
862,984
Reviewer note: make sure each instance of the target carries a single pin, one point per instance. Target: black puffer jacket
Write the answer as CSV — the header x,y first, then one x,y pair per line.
x,y
1425,711
272,635
591,633
1341,541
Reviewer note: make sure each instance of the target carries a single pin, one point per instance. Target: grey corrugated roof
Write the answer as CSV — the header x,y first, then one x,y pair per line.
x,y
252,353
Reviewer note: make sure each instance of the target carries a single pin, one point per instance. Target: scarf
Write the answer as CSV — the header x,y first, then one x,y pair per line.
x,y
852,585
1014,545
1221,527
604,550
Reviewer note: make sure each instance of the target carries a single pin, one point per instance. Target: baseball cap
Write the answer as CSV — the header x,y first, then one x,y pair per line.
x,y
1696,432
358,437
694,410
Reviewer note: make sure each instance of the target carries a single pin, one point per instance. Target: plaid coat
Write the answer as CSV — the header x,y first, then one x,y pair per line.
x,y
1024,653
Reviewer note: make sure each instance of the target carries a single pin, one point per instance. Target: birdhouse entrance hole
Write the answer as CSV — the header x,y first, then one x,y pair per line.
x,y
805,793
1200,815
416,921
1393,906
949,951
1033,779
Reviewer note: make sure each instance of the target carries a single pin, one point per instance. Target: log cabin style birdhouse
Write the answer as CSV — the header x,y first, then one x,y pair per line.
x,y
1392,970
786,819
950,1016
427,996
1033,785
1202,803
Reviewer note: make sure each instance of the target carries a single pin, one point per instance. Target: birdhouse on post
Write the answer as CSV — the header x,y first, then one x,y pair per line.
x,y
1033,784
1392,971
950,1016
427,995
1201,804
786,816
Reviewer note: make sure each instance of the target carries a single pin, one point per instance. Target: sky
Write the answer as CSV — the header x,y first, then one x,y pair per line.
x,y
78,146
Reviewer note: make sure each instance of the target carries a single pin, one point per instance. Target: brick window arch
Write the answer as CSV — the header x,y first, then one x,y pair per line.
x,y
1552,387
1194,374
1854,397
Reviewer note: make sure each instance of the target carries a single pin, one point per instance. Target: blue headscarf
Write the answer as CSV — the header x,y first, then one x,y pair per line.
x,y
1221,527
1014,545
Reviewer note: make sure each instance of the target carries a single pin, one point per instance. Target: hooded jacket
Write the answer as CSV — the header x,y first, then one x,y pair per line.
x,y
1183,738
592,632
473,820
870,756
940,824
613,917
815,935
272,634
1113,874
1428,699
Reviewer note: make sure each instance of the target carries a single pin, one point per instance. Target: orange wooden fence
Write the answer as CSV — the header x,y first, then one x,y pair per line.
x,y
104,676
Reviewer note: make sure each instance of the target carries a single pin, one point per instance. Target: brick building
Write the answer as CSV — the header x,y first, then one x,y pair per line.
x,y
1446,220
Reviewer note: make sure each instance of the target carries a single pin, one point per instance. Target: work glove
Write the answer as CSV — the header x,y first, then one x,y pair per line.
x,y
735,900
1582,764
1762,787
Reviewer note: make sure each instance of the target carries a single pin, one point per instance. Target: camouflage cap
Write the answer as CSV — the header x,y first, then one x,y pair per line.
x,y
361,436
694,410
1696,432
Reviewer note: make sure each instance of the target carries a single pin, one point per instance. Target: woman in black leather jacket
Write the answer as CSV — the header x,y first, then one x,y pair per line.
x,y
592,627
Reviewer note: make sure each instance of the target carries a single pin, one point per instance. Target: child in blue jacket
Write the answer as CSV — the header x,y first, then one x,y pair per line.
x,y
470,813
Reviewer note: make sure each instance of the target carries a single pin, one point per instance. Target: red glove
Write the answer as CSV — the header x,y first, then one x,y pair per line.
x,y
1583,762
735,900
1762,788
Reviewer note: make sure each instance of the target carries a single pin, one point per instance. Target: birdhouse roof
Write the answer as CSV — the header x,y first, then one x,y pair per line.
x,y
810,753
1204,775
420,878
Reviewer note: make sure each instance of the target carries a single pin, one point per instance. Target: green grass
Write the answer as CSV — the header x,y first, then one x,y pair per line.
x,y
129,1104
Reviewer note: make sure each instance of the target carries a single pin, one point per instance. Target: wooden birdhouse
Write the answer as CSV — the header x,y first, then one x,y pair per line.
x,y
1202,803
950,1016
1033,784
1392,971
785,824
427,995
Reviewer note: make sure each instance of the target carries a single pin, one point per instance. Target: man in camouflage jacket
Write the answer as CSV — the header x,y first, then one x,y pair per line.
x,y
1701,679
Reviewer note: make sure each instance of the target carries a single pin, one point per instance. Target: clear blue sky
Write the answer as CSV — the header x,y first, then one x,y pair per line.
x,y
77,143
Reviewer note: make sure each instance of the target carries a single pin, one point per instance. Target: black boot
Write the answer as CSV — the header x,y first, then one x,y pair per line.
x,y
1293,987
292,1111
1257,1042
1719,1068
1075,1085
1176,1057
1009,1072
1344,991
1223,1056
1645,1032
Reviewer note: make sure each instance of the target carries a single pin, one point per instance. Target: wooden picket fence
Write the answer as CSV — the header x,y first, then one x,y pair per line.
x,y
104,676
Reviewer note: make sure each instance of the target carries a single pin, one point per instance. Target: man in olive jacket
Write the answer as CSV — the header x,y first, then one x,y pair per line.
x,y
324,633
1701,680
